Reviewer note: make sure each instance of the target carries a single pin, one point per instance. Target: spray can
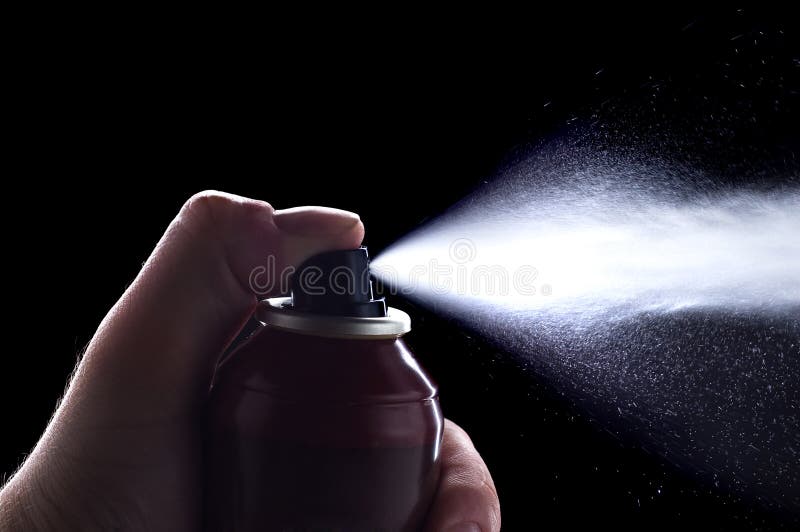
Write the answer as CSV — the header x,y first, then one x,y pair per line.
x,y
323,419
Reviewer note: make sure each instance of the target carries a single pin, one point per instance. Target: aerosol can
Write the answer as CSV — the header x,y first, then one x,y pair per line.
x,y
322,419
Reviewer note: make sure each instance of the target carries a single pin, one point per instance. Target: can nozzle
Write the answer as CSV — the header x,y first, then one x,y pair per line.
x,y
336,283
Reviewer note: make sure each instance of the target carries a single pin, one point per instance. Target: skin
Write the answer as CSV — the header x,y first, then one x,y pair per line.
x,y
122,450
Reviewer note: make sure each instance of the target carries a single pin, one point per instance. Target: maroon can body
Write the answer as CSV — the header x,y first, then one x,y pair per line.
x,y
306,432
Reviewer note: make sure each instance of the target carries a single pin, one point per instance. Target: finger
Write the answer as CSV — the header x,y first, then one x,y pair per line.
x,y
154,353
122,446
466,500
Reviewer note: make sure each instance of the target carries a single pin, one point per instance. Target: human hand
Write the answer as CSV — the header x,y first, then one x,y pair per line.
x,y
123,448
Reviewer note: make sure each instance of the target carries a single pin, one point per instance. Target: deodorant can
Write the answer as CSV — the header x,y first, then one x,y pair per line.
x,y
322,419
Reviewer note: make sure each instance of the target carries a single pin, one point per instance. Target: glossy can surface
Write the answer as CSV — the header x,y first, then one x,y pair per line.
x,y
312,433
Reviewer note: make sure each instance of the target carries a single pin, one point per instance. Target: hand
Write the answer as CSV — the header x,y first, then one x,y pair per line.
x,y
123,448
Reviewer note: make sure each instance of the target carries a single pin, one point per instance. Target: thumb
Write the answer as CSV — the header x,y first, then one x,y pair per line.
x,y
154,353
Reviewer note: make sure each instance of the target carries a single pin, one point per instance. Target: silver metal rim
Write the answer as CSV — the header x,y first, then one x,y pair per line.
x,y
273,312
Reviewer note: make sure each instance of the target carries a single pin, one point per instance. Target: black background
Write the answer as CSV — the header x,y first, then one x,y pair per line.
x,y
396,120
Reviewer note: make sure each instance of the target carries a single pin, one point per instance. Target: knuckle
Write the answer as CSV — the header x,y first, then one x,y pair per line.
x,y
214,210
205,206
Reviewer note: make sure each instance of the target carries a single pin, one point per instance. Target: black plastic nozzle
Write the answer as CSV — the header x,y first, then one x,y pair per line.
x,y
337,283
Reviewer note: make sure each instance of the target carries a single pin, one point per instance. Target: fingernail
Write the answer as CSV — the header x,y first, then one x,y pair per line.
x,y
314,221
464,527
